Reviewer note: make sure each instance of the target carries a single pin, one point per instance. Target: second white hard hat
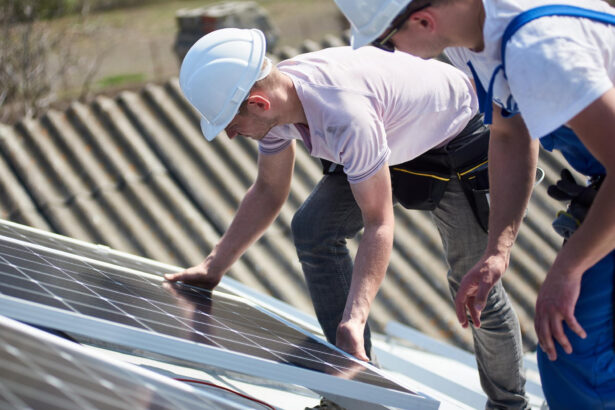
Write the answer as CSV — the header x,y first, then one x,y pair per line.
x,y
369,18
218,72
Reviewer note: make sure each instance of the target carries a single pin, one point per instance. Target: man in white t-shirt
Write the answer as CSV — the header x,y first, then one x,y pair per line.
x,y
559,74
379,115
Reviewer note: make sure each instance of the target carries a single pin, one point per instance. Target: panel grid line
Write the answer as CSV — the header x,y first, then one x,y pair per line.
x,y
143,301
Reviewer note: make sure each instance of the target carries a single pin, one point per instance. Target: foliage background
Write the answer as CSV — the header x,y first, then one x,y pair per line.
x,y
56,51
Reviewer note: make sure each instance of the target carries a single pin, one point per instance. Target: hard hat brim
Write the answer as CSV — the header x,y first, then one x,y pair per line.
x,y
358,40
378,23
209,131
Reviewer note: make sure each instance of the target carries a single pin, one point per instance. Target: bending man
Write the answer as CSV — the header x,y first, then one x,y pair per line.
x,y
367,111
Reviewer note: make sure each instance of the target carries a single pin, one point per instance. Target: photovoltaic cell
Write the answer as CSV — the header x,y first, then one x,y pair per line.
x,y
80,285
109,255
42,371
84,249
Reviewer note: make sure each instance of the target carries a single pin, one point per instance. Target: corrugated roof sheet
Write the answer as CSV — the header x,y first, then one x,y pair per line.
x,y
134,172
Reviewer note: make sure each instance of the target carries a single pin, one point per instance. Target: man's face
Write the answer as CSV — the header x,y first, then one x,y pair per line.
x,y
249,124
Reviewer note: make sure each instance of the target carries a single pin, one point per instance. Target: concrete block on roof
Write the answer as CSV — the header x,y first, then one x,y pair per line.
x,y
194,23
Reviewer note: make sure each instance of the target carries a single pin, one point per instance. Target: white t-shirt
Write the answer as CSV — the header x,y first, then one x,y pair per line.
x,y
368,106
555,66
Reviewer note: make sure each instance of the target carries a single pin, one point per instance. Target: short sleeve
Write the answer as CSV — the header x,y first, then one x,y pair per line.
x,y
554,76
358,137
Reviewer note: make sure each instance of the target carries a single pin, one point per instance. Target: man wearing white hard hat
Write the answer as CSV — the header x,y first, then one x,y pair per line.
x,y
401,129
549,66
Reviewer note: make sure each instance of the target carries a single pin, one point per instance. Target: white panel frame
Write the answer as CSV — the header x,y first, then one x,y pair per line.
x,y
147,375
430,344
50,317
455,391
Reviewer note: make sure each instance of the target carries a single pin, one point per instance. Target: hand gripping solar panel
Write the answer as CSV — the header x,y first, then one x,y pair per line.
x,y
42,371
49,284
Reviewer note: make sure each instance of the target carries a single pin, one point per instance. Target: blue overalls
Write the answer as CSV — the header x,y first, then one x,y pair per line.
x,y
585,379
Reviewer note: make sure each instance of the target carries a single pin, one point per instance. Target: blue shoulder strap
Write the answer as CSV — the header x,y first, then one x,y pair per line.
x,y
480,91
550,10
524,18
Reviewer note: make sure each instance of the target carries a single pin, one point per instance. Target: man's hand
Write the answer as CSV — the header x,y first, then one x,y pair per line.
x,y
556,301
475,287
593,240
198,275
349,338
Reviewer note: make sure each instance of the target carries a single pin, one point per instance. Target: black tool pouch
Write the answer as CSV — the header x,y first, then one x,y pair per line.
x,y
416,188
475,184
415,184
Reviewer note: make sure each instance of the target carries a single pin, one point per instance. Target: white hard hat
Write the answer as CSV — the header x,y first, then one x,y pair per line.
x,y
218,72
369,18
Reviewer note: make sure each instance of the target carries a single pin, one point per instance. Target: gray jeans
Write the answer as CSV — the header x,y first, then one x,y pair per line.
x,y
330,215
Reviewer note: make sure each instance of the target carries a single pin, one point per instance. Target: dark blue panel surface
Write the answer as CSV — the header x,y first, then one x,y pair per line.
x,y
73,283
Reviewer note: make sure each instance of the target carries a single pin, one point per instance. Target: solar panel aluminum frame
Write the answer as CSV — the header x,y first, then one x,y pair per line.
x,y
209,356
116,333
93,361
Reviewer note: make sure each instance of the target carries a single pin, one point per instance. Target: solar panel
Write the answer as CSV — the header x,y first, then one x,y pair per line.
x,y
126,260
41,371
44,282
88,250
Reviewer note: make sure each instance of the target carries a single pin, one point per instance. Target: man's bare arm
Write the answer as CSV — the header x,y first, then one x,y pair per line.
x,y
374,197
258,209
513,158
594,239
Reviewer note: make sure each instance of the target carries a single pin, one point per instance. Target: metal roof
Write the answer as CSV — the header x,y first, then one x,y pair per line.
x,y
133,172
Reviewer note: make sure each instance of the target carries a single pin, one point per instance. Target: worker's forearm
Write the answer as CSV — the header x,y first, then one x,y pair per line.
x,y
512,170
257,211
369,271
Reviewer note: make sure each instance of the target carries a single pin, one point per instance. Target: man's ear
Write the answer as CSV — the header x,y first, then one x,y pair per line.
x,y
258,102
423,19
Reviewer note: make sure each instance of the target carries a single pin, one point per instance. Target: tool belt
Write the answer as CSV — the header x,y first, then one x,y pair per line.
x,y
580,197
421,182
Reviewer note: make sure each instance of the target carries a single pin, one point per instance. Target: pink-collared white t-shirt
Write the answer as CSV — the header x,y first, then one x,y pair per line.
x,y
368,107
